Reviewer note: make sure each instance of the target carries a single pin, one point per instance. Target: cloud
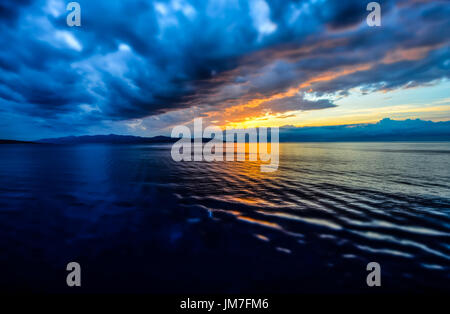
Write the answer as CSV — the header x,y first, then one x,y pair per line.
x,y
296,103
260,13
140,59
10,10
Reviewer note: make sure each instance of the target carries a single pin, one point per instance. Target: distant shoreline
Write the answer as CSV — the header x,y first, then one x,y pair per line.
x,y
386,130
14,142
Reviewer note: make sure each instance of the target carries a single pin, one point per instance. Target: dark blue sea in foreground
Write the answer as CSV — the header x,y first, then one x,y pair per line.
x,y
137,221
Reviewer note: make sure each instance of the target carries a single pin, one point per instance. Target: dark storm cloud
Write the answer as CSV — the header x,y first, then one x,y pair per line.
x,y
10,10
134,59
295,103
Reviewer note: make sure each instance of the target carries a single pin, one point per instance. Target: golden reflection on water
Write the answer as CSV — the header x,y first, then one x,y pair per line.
x,y
321,191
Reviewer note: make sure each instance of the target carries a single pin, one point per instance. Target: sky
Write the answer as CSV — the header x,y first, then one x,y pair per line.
x,y
142,67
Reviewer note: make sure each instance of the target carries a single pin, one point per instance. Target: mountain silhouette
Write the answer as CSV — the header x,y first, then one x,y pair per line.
x,y
384,130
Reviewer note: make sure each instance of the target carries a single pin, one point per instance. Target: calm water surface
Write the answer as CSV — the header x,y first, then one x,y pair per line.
x,y
138,222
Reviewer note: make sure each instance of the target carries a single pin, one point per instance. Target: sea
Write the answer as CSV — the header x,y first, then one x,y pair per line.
x,y
137,221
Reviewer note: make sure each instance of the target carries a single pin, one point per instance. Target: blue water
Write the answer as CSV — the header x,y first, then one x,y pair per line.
x,y
137,221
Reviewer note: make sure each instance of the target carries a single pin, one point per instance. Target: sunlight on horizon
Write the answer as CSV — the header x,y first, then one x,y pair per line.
x,y
424,102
